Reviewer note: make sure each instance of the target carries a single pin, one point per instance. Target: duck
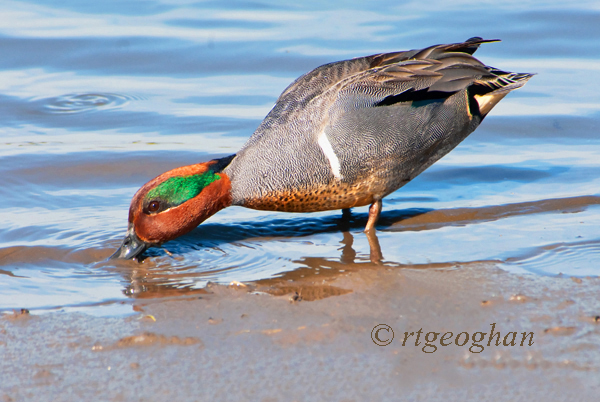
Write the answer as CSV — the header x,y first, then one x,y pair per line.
x,y
343,135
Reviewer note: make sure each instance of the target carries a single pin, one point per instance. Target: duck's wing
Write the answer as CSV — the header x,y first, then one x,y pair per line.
x,y
334,89
436,72
408,110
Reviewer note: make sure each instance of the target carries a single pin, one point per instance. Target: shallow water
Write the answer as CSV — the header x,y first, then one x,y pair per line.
x,y
98,98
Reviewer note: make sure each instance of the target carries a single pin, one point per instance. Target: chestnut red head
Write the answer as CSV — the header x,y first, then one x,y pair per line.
x,y
173,204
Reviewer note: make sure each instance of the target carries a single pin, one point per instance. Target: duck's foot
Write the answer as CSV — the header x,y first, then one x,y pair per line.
x,y
374,212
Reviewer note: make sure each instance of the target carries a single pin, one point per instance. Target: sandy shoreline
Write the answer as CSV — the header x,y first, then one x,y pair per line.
x,y
242,343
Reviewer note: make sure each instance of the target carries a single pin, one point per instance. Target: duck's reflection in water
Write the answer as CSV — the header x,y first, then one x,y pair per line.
x,y
310,277
348,253
311,281
150,282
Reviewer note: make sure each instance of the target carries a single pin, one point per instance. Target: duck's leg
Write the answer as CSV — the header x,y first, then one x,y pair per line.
x,y
374,212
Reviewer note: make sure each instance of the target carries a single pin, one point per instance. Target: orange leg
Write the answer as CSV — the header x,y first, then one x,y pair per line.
x,y
374,212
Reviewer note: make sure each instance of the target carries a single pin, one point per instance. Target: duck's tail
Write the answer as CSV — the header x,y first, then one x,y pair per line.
x,y
490,90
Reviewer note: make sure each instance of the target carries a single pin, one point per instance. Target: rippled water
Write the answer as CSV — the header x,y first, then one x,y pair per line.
x,y
98,97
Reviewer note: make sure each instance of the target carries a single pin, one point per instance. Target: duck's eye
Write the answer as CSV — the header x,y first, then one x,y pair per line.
x,y
154,206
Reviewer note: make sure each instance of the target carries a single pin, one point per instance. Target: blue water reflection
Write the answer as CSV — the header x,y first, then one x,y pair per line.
x,y
98,97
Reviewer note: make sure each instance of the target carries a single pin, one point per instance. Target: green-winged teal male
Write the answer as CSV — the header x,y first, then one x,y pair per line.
x,y
343,135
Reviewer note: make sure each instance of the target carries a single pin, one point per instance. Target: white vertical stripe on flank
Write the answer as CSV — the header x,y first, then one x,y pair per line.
x,y
334,162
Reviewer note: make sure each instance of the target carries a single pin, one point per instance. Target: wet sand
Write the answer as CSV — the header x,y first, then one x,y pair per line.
x,y
310,339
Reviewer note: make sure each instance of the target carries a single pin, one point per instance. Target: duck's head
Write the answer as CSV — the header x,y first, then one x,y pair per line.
x,y
173,204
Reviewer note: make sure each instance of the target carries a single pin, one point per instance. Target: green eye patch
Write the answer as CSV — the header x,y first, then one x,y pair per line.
x,y
177,190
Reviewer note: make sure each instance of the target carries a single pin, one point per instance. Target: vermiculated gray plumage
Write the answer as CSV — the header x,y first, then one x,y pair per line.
x,y
351,132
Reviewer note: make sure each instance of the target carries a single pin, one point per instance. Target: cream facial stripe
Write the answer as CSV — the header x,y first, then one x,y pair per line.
x,y
334,162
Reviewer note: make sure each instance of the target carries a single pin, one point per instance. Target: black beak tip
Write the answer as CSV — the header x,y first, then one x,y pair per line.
x,y
131,247
127,253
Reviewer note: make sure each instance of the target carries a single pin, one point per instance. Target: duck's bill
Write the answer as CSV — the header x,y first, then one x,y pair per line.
x,y
131,247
